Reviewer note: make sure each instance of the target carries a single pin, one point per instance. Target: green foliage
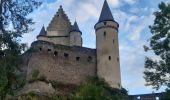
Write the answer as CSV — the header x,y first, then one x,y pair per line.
x,y
13,13
94,89
42,78
35,74
36,77
166,95
158,71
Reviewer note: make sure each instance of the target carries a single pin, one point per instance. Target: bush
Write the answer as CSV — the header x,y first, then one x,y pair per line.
x,y
166,95
95,89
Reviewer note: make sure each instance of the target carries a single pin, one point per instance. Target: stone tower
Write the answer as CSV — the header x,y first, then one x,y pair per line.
x,y
75,35
107,46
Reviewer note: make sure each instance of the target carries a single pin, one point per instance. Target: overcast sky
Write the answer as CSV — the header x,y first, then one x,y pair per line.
x,y
133,16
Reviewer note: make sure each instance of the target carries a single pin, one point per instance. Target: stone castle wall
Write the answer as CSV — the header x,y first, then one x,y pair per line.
x,y
68,65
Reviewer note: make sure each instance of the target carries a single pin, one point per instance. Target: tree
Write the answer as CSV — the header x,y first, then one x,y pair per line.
x,y
157,72
14,22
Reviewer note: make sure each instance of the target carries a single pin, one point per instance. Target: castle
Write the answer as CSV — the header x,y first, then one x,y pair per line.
x,y
58,53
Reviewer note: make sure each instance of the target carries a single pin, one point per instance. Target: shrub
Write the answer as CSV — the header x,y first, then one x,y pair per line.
x,y
95,89
166,95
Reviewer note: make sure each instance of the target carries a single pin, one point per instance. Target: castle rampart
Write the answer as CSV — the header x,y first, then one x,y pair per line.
x,y
65,64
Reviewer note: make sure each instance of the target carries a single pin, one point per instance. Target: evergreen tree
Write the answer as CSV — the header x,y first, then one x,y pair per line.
x,y
157,72
14,22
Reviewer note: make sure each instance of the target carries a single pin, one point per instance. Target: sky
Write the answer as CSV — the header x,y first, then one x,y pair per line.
x,y
133,16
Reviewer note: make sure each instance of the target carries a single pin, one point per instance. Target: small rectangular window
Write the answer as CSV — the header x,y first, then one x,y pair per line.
x,y
55,53
66,55
49,50
104,34
110,58
77,58
89,59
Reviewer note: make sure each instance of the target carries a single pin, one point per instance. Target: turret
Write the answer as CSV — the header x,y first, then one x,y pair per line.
x,y
75,35
42,34
107,46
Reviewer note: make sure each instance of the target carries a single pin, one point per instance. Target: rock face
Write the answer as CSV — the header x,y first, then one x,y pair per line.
x,y
38,88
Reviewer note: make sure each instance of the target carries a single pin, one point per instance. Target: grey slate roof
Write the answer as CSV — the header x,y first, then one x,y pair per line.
x,y
106,13
75,28
43,32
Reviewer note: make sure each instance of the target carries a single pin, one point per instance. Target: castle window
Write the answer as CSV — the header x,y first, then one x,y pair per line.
x,y
77,58
113,41
104,34
118,59
105,23
55,53
40,49
49,50
89,59
110,58
66,55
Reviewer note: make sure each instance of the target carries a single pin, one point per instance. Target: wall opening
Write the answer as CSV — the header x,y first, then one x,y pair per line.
x,y
55,53
40,49
105,23
118,59
113,41
89,59
49,50
110,57
77,58
66,55
104,34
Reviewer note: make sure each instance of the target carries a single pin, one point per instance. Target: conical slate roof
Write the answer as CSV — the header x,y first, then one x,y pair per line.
x,y
75,27
106,14
43,32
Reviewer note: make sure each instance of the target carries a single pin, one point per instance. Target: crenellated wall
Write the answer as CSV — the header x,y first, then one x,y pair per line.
x,y
65,64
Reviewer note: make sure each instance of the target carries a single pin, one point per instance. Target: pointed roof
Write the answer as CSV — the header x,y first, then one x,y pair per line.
x,y
75,28
59,17
42,32
106,13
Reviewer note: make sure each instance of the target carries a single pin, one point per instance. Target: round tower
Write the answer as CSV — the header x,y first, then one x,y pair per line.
x,y
75,35
107,46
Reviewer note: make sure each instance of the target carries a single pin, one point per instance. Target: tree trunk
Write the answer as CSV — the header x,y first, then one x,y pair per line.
x,y
1,16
